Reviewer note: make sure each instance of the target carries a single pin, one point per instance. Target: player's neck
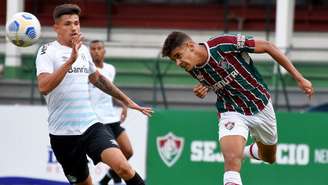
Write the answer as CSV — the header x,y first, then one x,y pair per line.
x,y
99,64
202,54
62,42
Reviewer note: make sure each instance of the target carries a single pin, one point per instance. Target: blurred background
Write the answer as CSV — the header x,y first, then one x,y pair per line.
x,y
134,31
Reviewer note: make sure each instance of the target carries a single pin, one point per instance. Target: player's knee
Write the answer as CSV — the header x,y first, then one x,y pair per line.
x,y
232,160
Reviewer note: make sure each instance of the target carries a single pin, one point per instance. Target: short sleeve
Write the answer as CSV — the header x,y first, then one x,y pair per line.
x,y
43,62
232,43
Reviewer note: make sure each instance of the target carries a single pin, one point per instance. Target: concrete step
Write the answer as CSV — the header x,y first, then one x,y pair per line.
x,y
20,92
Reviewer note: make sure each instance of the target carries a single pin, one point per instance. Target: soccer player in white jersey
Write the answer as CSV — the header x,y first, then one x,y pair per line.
x,y
103,106
222,64
64,68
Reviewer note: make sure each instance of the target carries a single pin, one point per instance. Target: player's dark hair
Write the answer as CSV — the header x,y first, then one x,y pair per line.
x,y
97,41
66,9
173,40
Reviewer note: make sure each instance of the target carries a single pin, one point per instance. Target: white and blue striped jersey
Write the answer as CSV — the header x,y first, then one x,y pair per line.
x,y
69,105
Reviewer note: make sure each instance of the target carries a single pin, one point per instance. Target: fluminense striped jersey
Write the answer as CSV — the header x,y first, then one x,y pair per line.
x,y
230,73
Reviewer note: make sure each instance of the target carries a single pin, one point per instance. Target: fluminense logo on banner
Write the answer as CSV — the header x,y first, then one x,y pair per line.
x,y
169,148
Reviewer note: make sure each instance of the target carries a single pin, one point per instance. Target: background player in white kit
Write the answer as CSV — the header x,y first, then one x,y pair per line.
x,y
103,106
64,68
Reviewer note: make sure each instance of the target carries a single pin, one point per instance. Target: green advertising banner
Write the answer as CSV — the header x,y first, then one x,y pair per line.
x,y
183,150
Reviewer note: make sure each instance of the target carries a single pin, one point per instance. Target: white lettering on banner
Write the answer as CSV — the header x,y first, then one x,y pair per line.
x,y
204,151
321,156
287,154
293,154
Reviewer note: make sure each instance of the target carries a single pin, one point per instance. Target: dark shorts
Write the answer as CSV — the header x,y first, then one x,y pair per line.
x,y
115,128
71,151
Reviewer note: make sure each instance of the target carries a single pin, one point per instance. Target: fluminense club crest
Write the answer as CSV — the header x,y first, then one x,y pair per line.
x,y
169,148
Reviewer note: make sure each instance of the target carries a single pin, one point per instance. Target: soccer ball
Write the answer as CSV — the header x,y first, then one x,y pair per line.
x,y
23,29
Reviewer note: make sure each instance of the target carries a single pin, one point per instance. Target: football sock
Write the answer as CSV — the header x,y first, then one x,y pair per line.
x,y
231,178
115,177
252,151
136,180
105,179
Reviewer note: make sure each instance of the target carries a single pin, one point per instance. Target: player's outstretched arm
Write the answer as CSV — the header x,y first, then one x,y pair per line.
x,y
124,112
262,46
108,87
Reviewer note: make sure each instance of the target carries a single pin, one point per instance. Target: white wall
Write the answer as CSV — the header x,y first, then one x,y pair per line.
x,y
25,150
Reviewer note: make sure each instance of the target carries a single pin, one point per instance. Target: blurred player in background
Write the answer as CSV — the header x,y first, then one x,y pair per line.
x,y
222,64
103,106
64,68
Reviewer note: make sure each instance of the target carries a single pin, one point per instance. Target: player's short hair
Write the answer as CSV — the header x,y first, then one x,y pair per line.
x,y
65,9
173,40
97,41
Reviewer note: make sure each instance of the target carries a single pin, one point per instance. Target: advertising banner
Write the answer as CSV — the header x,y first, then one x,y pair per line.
x,y
27,158
183,149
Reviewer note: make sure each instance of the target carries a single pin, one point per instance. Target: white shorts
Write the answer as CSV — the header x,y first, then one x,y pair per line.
x,y
262,125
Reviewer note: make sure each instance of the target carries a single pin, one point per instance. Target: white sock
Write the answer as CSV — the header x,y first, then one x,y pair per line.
x,y
231,178
252,151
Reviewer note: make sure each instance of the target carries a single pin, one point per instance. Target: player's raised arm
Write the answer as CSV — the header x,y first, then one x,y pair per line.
x,y
108,87
262,46
49,81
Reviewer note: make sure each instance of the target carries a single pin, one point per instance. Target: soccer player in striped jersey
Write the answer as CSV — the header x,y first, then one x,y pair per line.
x,y
222,64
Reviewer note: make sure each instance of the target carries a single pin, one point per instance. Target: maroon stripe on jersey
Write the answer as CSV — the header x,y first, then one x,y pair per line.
x,y
237,99
250,43
249,95
225,39
211,81
266,93
248,77
230,39
229,107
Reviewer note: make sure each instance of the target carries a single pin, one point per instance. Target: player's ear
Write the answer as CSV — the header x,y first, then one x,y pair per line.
x,y
55,27
190,45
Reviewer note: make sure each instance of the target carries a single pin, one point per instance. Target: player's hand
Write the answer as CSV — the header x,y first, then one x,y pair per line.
x,y
148,111
200,90
306,86
124,113
76,44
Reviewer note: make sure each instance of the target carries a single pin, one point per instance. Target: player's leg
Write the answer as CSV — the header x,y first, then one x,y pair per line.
x,y
125,146
114,158
232,149
267,153
264,131
232,137
102,147
260,151
70,153
124,143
